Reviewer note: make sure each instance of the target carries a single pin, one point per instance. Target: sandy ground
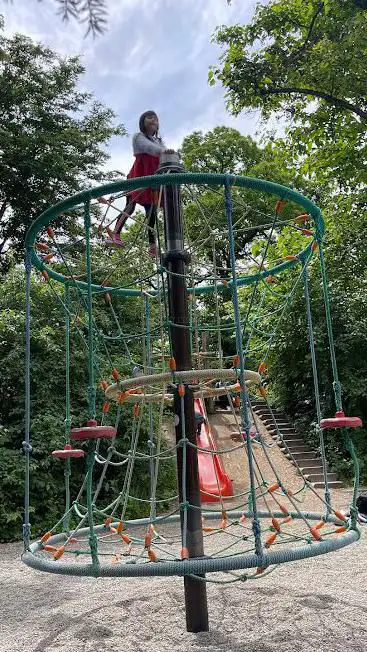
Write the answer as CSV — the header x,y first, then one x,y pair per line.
x,y
313,605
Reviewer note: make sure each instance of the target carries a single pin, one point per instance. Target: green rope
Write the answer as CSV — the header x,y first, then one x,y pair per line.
x,y
91,385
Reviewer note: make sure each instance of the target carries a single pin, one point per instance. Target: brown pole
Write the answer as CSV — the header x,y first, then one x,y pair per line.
x,y
175,261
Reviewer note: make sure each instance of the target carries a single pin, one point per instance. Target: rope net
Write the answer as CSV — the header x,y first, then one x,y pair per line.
x,y
248,249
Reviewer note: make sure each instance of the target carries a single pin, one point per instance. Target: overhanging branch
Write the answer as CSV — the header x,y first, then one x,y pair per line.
x,y
336,101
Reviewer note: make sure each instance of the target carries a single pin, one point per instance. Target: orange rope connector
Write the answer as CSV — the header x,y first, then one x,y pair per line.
x,y
184,553
107,297
46,259
237,387
307,232
300,219
148,540
262,391
45,274
225,281
181,390
275,523
116,559
152,556
42,246
270,279
45,537
236,361
59,553
122,397
172,364
274,487
270,539
287,520
103,200
224,522
262,368
284,510
237,401
120,527
107,523
315,533
208,529
115,374
260,570
49,548
50,232
243,518
125,538
339,515
340,529
136,409
290,257
315,246
280,205
106,407
104,384
319,525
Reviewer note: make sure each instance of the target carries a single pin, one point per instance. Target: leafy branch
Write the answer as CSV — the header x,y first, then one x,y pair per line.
x,y
93,13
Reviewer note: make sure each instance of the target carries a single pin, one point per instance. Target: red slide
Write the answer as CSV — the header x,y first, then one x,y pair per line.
x,y
213,479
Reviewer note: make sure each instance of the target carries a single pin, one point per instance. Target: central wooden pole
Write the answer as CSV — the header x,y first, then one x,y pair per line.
x,y
175,261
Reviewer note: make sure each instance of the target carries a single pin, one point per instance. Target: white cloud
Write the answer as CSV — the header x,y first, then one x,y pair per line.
x,y
155,54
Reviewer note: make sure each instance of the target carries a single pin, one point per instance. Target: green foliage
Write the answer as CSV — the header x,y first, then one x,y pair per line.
x,y
52,136
48,405
305,62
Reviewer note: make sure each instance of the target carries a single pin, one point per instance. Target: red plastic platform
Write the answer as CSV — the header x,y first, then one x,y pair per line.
x,y
341,421
68,452
92,431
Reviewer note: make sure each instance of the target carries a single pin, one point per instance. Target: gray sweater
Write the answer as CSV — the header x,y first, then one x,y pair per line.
x,y
147,145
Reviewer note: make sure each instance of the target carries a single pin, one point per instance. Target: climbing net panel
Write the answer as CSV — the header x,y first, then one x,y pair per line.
x,y
248,248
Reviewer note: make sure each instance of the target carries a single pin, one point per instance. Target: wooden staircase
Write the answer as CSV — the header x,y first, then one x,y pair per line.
x,y
294,447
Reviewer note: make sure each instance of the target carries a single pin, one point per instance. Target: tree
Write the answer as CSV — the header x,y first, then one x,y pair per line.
x,y
225,150
222,150
52,136
307,62
296,51
48,398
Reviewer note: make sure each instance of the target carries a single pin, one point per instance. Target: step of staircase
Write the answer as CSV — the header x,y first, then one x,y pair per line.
x,y
311,468
284,431
332,485
290,442
285,435
300,453
319,477
309,463
270,423
303,457
300,448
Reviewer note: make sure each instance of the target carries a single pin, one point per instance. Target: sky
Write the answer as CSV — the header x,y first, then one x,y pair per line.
x,y
155,55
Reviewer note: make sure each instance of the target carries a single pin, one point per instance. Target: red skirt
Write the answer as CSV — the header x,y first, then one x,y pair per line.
x,y
144,166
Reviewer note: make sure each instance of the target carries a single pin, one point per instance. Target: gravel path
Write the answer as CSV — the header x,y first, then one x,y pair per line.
x,y
317,605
